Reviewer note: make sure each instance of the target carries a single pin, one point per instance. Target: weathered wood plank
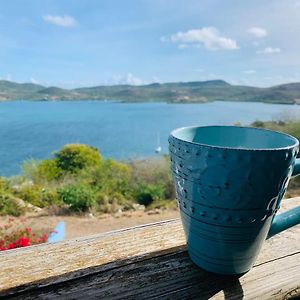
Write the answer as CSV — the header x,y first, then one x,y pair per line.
x,y
100,251
143,262
174,276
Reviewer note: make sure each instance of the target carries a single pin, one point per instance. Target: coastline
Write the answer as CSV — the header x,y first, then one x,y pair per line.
x,y
146,101
171,92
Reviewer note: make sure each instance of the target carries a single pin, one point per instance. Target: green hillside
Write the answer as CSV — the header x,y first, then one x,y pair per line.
x,y
11,90
177,92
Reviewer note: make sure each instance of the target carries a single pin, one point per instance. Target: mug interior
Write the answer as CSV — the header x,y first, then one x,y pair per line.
x,y
235,137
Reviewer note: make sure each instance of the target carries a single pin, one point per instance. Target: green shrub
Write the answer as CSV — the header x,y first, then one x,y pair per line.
x,y
48,170
154,171
145,193
112,203
115,177
29,168
75,157
41,172
258,124
37,196
79,177
80,198
10,205
30,193
50,197
110,177
3,184
163,204
290,126
67,162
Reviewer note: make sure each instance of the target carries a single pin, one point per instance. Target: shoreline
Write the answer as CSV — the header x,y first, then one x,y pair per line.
x,y
144,102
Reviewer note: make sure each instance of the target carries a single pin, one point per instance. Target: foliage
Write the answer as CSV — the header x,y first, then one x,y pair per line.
x,y
80,198
151,180
71,159
10,205
49,198
77,176
42,172
3,184
111,176
47,170
155,171
145,193
258,124
163,204
37,195
290,126
16,233
75,157
112,203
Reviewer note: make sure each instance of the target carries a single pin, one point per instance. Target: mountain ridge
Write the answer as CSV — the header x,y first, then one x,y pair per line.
x,y
173,92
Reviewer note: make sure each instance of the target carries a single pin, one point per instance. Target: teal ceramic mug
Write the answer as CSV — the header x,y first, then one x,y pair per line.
x,y
229,184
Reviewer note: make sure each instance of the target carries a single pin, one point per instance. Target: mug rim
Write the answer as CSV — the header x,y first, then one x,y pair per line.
x,y
296,141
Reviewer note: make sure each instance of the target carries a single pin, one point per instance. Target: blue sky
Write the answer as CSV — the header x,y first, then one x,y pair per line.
x,y
84,43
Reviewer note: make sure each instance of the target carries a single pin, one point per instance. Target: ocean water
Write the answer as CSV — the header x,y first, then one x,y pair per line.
x,y
31,129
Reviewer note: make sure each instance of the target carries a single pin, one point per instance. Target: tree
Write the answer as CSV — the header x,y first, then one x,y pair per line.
x,y
74,157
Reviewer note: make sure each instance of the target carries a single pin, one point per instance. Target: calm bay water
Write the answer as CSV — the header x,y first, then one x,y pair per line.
x,y
119,130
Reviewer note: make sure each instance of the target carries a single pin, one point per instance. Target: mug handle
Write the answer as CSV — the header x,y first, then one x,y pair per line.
x,y
289,218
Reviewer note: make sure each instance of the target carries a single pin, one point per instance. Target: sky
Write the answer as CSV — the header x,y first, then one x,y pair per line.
x,y
102,42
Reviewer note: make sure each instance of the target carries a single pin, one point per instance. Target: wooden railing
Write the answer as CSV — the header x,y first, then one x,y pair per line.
x,y
144,262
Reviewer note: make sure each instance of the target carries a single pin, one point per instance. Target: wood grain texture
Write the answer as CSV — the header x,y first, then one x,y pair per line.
x,y
144,262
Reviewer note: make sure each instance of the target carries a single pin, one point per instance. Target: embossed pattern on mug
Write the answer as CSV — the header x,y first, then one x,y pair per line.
x,y
227,199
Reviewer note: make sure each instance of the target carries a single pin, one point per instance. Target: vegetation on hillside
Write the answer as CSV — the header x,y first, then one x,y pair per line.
x,y
178,92
292,127
78,179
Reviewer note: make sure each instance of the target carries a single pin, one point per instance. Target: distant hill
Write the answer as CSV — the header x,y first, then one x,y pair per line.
x,y
176,92
11,90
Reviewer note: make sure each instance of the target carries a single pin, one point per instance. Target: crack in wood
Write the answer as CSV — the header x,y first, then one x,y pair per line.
x,y
145,262
278,258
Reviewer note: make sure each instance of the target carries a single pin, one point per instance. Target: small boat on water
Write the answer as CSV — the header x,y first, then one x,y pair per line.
x,y
158,148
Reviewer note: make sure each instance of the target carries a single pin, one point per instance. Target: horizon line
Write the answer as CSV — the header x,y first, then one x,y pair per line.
x,y
148,84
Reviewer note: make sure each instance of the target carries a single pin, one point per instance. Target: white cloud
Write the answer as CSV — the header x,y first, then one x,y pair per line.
x,y
209,37
64,21
249,72
34,81
269,50
258,32
240,81
129,78
133,80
